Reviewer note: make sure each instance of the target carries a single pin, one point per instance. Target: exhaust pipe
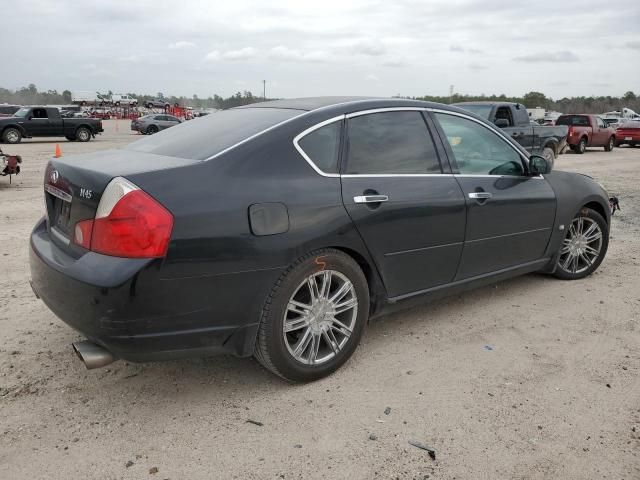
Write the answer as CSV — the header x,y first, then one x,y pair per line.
x,y
92,355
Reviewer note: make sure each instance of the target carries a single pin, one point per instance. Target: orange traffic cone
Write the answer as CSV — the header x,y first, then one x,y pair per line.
x,y
58,151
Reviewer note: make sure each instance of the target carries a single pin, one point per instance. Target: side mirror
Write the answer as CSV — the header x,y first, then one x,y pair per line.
x,y
539,165
30,117
501,122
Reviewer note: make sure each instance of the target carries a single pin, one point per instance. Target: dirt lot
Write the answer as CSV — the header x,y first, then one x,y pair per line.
x,y
531,378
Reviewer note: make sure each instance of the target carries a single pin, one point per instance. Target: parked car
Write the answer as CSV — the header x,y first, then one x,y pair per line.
x,y
628,134
157,103
514,119
8,110
150,124
280,228
47,122
587,131
120,99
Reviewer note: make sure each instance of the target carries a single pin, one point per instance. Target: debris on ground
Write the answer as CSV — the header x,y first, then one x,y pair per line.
x,y
153,470
373,436
255,422
488,348
429,450
387,410
128,464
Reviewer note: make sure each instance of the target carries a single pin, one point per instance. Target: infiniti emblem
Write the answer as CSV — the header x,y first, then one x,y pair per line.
x,y
54,176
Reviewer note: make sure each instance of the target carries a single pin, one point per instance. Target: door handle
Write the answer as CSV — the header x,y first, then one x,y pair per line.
x,y
480,195
370,198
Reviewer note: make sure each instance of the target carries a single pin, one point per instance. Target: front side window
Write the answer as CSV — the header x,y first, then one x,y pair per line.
x,y
322,146
477,150
601,123
391,143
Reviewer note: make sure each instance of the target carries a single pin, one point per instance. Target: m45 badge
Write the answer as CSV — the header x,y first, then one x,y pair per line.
x,y
85,193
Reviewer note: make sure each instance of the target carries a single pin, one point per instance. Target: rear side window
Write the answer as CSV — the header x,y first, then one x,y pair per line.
x,y
322,146
204,137
391,143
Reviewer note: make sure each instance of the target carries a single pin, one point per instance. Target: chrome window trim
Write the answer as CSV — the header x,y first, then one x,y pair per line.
x,y
347,116
385,109
394,175
306,132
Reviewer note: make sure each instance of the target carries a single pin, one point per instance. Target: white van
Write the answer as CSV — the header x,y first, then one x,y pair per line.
x,y
122,99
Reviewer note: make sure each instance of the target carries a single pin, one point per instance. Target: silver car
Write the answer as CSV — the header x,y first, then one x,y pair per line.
x,y
150,124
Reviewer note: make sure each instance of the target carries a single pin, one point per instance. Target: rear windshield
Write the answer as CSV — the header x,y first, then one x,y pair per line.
x,y
481,110
578,120
204,137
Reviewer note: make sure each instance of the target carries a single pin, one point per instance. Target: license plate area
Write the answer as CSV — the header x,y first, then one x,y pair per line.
x,y
59,210
628,139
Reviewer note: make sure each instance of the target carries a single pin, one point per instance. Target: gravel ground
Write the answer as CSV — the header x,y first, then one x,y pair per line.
x,y
530,378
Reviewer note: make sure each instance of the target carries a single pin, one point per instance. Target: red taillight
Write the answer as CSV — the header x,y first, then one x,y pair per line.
x,y
128,223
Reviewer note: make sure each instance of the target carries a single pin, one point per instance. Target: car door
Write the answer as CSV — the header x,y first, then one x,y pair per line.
x,y
408,209
37,123
161,121
510,214
603,133
172,121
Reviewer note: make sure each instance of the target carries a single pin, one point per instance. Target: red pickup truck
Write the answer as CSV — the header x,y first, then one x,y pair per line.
x,y
587,131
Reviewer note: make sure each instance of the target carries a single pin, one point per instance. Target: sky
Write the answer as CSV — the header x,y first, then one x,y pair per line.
x,y
324,47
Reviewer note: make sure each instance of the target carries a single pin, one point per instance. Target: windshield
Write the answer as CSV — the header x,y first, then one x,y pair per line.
x,y
481,110
22,112
204,137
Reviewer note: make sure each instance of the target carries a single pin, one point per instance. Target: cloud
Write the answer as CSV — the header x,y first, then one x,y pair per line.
x,y
285,53
181,45
245,53
212,56
369,47
559,57
477,66
634,45
459,49
372,78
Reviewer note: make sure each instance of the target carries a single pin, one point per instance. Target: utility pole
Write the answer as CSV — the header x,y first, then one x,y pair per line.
x,y
450,94
264,90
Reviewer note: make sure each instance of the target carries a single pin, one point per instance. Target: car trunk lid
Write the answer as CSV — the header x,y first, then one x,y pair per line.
x,y
73,186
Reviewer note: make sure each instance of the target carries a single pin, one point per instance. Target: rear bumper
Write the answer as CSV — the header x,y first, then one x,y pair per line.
x,y
126,307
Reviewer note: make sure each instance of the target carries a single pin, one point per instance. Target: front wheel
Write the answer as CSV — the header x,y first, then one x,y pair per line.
x,y
314,317
151,129
610,144
11,135
83,134
584,245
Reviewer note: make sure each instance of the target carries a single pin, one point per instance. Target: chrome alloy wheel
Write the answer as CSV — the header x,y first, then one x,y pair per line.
x,y
12,136
582,245
320,317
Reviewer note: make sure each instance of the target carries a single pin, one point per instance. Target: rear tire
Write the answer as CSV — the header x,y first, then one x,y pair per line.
x,y
610,144
584,246
317,341
11,135
83,134
550,155
581,147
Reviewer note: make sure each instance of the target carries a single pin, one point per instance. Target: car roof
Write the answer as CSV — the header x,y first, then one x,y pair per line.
x,y
344,104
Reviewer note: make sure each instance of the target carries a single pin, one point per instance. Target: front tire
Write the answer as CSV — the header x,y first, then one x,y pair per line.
x,y
83,134
151,129
584,246
314,317
11,135
610,144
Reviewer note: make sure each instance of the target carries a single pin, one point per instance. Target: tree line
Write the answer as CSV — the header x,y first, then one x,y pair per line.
x,y
30,95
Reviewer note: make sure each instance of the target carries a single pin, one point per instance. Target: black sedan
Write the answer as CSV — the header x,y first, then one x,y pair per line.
x,y
279,229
